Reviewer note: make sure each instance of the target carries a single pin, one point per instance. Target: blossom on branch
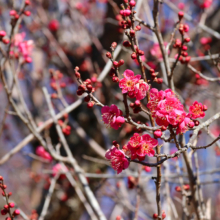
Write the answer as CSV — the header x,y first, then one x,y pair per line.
x,y
196,110
117,158
112,116
133,85
22,47
142,145
167,110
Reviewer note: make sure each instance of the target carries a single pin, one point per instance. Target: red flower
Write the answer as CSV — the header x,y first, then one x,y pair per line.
x,y
112,116
196,110
142,145
127,84
118,160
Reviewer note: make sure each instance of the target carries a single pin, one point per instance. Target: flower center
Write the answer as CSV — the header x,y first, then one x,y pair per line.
x,y
146,147
197,110
129,83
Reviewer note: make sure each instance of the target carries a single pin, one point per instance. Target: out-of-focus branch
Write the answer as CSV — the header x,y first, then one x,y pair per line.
x,y
92,200
49,196
202,75
191,19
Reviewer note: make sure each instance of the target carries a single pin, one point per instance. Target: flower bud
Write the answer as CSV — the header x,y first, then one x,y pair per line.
x,y
77,74
155,216
79,92
163,215
178,188
121,62
13,13
158,133
134,56
159,80
2,34
205,108
114,45
126,43
115,79
127,12
138,28
137,103
27,2
196,123
132,105
186,27
27,13
115,64
187,59
180,15
4,212
163,128
187,40
140,52
132,33
184,47
6,207
108,54
186,187
16,212
89,87
132,3
90,104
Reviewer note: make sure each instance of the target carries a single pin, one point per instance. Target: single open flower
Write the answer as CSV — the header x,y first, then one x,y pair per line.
x,y
117,158
112,116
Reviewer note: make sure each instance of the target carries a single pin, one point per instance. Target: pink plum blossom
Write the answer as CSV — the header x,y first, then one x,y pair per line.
x,y
142,145
118,160
141,90
196,110
183,126
127,84
156,51
170,111
128,152
165,107
112,116
155,97
167,110
147,145
133,85
24,48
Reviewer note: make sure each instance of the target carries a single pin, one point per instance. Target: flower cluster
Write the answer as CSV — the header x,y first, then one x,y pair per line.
x,y
9,205
22,47
117,158
133,85
168,110
140,146
112,116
